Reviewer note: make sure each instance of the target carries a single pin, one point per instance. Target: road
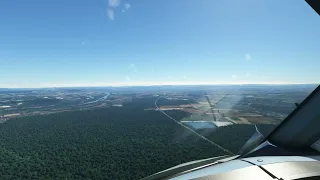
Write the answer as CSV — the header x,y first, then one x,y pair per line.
x,y
212,106
257,130
199,135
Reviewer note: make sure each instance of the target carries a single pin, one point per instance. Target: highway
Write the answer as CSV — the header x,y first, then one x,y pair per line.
x,y
199,135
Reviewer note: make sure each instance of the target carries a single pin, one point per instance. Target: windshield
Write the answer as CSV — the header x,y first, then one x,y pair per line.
x,y
122,89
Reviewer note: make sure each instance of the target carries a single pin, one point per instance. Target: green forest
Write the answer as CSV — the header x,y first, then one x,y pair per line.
x,y
105,143
235,136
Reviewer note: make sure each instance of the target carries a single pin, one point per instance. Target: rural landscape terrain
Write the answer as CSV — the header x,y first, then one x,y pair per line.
x,y
132,132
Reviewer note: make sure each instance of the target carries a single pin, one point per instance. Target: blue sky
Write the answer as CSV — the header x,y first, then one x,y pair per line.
x,y
45,43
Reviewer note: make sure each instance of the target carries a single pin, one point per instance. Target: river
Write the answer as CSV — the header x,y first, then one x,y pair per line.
x,y
97,100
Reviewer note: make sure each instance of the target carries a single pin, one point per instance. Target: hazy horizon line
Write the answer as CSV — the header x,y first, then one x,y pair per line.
x,y
145,85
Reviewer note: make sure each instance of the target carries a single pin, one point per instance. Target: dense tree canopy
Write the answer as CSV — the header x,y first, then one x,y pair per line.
x,y
126,142
235,136
112,143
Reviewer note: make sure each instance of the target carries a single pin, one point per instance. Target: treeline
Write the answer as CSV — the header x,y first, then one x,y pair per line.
x,y
107,143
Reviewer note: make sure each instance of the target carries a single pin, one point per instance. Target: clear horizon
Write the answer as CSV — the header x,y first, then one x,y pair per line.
x,y
80,43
